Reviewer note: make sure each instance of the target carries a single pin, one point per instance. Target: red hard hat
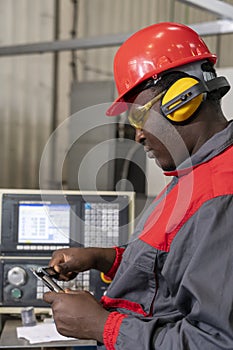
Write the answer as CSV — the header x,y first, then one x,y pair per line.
x,y
151,51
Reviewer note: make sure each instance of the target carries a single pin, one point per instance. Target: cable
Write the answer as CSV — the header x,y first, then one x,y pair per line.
x,y
74,35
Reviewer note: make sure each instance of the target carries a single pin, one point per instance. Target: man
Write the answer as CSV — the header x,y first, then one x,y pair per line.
x,y
173,284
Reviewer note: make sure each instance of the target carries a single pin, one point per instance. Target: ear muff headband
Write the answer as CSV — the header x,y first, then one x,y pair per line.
x,y
182,99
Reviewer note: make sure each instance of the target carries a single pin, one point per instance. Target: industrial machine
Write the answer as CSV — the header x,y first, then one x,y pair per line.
x,y
35,223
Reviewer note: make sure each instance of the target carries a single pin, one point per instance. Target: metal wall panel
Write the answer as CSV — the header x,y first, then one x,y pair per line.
x,y
96,148
26,87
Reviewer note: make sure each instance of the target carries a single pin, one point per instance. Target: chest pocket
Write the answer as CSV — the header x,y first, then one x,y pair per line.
x,y
134,286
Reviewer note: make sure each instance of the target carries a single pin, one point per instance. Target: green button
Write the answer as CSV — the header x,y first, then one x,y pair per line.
x,y
16,293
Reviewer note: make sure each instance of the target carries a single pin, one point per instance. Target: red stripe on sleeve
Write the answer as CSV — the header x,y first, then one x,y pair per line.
x,y
111,329
109,303
119,252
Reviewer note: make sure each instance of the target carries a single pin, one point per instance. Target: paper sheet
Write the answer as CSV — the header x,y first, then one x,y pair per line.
x,y
41,333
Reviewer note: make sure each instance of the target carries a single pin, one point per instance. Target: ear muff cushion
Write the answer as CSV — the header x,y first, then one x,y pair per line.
x,y
185,111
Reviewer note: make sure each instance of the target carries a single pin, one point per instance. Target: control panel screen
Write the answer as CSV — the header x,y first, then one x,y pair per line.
x,y
32,223
43,223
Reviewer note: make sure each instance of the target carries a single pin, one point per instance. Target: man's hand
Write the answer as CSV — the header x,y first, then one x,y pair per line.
x,y
69,262
77,314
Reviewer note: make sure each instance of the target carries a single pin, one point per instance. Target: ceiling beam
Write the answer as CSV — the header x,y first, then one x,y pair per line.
x,y
221,26
63,45
217,7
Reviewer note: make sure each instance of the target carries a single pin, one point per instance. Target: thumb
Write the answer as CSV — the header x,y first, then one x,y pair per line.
x,y
65,272
49,297
63,268
71,291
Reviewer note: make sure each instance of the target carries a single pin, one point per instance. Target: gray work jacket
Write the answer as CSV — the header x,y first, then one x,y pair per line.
x,y
173,288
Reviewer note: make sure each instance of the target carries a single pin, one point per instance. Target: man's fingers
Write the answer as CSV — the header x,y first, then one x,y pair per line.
x,y
71,291
49,297
64,273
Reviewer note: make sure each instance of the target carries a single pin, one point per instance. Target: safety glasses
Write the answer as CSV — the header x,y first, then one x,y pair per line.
x,y
138,116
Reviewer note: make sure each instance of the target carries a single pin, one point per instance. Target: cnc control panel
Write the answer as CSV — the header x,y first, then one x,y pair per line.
x,y
33,226
20,287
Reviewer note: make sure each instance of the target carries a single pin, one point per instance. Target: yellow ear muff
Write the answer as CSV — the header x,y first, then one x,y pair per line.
x,y
185,111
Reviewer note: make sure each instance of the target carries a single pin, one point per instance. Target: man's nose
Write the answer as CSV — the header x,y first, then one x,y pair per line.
x,y
139,136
